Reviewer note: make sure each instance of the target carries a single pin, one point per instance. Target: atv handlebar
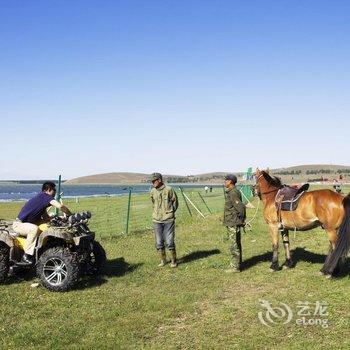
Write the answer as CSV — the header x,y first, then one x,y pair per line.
x,y
73,220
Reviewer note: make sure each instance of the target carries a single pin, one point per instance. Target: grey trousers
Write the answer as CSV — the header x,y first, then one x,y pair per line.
x,y
164,235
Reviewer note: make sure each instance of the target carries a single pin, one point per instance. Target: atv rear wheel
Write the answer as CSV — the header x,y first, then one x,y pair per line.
x,y
58,269
4,261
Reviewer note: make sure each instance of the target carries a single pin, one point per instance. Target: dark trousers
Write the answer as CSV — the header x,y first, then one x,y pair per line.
x,y
165,235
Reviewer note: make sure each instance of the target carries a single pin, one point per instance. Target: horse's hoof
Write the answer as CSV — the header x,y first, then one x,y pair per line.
x,y
320,273
288,264
328,276
274,268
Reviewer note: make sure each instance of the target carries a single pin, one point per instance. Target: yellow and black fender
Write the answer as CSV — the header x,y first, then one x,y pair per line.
x,y
19,241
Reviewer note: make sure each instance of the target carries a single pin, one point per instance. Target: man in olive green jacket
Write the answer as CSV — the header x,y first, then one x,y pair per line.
x,y
234,218
165,204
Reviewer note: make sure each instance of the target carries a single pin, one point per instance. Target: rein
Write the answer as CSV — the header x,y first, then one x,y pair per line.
x,y
275,190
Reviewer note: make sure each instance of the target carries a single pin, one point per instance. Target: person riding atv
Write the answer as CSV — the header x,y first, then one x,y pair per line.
x,y
34,214
64,250
61,248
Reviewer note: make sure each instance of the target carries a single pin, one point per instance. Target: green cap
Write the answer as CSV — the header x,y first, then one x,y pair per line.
x,y
156,176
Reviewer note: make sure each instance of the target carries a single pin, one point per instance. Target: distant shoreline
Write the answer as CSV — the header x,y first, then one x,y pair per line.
x,y
293,174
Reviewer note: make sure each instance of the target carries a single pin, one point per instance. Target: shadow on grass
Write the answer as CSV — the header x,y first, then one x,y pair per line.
x,y
119,267
298,254
200,254
114,268
255,260
21,275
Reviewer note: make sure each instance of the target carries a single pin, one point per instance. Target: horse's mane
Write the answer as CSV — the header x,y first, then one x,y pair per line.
x,y
272,180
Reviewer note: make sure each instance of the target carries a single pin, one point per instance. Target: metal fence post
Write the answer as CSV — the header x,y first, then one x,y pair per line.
x,y
184,198
205,203
128,212
58,193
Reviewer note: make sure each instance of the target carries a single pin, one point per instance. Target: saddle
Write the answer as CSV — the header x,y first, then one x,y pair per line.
x,y
287,198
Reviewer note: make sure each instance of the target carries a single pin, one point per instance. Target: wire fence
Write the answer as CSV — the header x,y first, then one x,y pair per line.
x,y
113,216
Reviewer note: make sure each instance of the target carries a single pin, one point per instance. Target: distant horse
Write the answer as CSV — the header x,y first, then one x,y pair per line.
x,y
323,207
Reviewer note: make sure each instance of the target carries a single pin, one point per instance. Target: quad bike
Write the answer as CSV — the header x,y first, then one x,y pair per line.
x,y
65,250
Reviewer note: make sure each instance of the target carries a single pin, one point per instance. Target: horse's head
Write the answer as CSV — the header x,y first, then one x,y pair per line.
x,y
258,175
265,183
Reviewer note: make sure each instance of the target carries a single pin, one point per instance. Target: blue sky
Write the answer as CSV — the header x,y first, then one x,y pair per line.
x,y
181,87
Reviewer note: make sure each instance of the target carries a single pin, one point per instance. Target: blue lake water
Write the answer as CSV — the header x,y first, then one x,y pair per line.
x,y
18,192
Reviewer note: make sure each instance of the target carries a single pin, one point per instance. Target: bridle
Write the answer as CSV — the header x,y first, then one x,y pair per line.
x,y
268,192
275,190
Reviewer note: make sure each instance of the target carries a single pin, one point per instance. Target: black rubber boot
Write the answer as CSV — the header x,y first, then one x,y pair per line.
x,y
26,260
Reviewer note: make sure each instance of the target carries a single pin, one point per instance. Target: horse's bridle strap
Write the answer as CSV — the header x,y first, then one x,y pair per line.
x,y
275,190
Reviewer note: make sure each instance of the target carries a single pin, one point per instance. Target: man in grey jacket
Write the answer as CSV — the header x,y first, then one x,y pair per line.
x,y
165,204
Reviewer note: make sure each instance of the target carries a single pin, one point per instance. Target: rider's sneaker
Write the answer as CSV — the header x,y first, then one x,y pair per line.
x,y
26,260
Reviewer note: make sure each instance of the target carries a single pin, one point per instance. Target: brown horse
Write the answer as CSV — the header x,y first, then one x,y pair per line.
x,y
316,208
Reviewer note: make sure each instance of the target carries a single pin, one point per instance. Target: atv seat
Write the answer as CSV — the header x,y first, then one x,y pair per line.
x,y
13,233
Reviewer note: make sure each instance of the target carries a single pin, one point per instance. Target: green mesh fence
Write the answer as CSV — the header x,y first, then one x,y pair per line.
x,y
247,193
109,213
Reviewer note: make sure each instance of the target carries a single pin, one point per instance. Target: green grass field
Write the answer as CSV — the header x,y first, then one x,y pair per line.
x,y
135,304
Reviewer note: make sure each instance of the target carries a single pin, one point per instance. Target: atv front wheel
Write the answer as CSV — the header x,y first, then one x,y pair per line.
x,y
58,269
98,257
4,262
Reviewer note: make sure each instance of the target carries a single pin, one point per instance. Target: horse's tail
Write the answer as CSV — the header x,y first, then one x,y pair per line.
x,y
343,241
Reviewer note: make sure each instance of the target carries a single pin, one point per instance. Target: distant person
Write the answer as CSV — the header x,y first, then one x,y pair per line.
x,y
211,189
336,186
234,218
32,215
206,188
165,204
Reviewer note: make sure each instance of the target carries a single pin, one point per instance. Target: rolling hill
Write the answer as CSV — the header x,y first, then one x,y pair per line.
x,y
288,174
